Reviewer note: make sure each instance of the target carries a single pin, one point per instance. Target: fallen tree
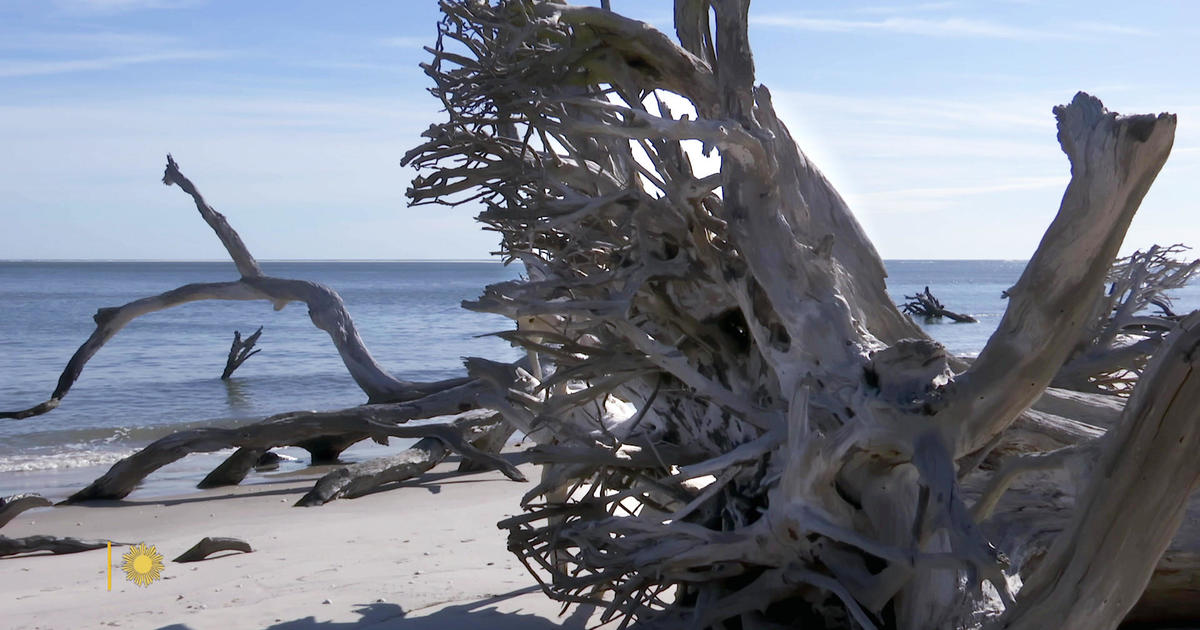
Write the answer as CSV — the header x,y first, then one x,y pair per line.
x,y
925,305
391,402
737,427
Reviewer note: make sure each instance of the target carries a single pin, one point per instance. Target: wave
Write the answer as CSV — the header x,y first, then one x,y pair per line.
x,y
80,458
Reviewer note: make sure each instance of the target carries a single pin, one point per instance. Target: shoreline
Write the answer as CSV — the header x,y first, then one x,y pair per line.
x,y
423,555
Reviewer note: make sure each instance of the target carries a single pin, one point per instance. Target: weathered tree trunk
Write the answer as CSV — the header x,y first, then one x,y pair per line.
x,y
738,428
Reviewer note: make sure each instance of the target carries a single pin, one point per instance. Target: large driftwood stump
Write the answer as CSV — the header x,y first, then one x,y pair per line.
x,y
737,427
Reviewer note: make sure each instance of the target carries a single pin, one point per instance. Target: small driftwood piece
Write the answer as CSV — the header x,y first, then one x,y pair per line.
x,y
10,507
363,478
925,305
359,479
239,351
210,545
54,544
491,440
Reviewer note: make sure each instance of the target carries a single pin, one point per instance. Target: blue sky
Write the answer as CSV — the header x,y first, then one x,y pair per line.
x,y
932,118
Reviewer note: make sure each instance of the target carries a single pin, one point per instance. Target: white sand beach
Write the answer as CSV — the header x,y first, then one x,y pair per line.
x,y
426,555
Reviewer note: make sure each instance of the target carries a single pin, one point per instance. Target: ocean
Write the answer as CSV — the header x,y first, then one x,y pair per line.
x,y
161,373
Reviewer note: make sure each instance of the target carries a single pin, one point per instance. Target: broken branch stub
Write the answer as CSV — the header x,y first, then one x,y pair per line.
x,y
239,351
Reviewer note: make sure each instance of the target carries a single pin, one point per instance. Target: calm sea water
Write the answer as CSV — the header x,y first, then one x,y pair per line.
x,y
162,372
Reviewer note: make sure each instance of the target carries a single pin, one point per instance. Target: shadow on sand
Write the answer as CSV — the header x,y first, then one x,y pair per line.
x,y
477,614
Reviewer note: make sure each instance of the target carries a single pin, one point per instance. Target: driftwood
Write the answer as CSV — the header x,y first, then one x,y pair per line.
x,y
325,309
363,478
377,422
239,351
54,544
490,440
1131,316
210,545
925,305
359,479
738,428
325,435
11,506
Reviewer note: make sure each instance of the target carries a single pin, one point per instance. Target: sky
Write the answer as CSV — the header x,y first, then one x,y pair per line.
x,y
932,118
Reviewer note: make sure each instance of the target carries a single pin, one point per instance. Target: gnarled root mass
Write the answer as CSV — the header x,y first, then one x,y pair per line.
x,y
1132,315
738,428
925,305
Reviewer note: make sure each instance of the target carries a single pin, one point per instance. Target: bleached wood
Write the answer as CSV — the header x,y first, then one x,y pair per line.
x,y
1132,505
1114,159
378,422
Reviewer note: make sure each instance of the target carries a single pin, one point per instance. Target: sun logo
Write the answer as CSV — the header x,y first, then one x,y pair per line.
x,y
143,564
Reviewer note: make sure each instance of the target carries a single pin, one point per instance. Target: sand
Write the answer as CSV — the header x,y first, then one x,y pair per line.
x,y
425,555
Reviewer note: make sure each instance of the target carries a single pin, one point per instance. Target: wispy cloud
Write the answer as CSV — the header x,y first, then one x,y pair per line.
x,y
940,198
907,8
944,27
948,192
112,41
1112,29
406,41
121,6
12,68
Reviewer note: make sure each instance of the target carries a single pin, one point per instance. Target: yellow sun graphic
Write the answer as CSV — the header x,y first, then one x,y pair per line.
x,y
143,564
